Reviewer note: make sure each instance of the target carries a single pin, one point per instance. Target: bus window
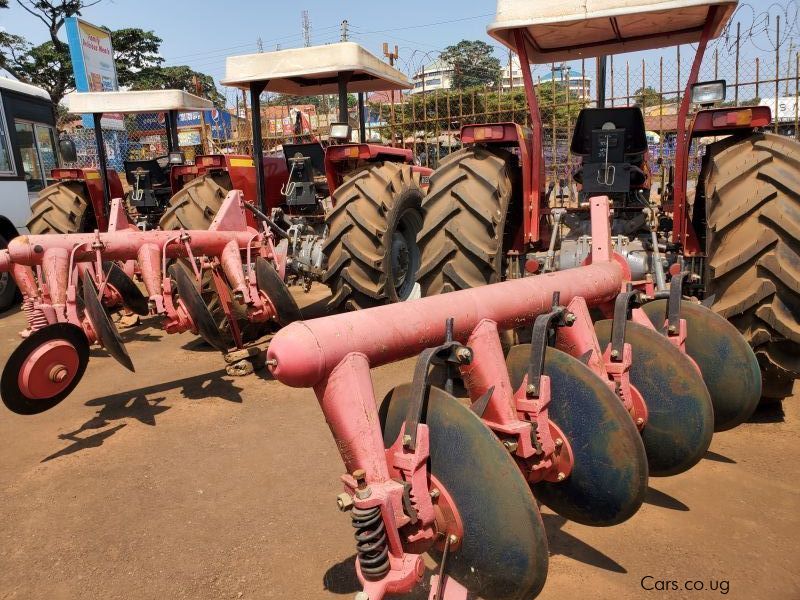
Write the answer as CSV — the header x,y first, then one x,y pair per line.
x,y
37,147
6,159
45,139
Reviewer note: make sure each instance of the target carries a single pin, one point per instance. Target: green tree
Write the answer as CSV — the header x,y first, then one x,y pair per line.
x,y
48,65
474,64
647,96
179,77
134,50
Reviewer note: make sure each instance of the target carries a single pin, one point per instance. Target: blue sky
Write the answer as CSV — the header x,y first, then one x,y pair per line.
x,y
202,33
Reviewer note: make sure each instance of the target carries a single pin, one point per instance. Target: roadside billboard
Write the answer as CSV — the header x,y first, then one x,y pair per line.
x,y
93,64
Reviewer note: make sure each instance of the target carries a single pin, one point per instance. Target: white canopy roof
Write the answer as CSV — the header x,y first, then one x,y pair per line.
x,y
574,29
23,88
314,70
144,101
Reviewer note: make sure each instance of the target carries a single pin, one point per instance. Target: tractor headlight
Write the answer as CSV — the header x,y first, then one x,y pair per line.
x,y
708,92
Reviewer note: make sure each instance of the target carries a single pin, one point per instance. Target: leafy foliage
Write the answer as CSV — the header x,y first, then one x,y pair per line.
x,y
431,114
134,50
647,96
474,64
49,66
179,77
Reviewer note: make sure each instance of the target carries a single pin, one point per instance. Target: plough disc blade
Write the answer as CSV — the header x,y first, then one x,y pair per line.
x,y
131,295
272,285
727,362
503,552
609,476
680,418
44,369
107,334
197,308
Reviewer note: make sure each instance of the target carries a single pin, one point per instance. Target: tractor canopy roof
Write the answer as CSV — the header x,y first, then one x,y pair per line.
x,y
145,101
314,70
575,29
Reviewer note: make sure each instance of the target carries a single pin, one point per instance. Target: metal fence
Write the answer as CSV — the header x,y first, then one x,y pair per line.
x,y
430,122
759,69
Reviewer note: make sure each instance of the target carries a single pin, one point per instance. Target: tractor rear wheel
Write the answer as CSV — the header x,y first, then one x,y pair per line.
x,y
196,204
752,190
372,242
61,208
465,214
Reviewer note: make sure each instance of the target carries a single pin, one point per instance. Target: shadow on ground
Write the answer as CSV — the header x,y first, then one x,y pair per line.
x,y
658,498
140,405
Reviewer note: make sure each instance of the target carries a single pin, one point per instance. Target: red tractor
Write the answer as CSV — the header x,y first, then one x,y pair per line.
x,y
488,215
80,198
350,212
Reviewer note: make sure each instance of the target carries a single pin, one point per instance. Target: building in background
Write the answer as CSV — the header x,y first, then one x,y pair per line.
x,y
511,77
437,75
580,85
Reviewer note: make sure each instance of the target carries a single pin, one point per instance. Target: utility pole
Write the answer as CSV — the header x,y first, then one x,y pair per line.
x,y
345,31
306,25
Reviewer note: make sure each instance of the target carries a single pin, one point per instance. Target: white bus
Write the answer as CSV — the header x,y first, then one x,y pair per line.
x,y
28,152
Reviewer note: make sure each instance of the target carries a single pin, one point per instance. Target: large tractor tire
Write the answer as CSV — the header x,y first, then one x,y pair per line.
x,y
61,208
465,215
196,204
372,242
752,190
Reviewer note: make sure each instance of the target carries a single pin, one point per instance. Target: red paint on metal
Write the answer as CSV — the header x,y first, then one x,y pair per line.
x,y
723,121
306,351
532,165
48,370
680,213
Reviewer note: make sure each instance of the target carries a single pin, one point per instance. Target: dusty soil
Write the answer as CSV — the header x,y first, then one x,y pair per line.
x,y
182,482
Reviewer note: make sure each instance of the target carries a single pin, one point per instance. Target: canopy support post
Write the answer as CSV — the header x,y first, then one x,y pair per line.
x,y
256,87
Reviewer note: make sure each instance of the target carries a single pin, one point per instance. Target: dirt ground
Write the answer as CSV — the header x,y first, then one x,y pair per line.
x,y
182,482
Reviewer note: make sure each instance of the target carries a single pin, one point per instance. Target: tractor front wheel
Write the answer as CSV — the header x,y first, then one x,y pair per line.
x,y
372,241
465,214
752,190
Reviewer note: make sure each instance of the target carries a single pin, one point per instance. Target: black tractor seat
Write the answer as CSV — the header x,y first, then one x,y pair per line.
x,y
151,173
610,140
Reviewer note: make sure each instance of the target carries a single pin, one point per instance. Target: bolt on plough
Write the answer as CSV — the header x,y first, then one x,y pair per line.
x,y
66,280
450,462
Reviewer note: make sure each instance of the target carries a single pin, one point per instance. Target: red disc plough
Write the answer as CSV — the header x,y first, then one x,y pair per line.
x,y
450,463
609,387
68,280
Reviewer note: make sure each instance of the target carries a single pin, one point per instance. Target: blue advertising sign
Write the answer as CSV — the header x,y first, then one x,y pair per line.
x,y
93,65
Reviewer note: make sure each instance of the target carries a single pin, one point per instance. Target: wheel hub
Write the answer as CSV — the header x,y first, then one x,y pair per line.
x,y
400,259
48,370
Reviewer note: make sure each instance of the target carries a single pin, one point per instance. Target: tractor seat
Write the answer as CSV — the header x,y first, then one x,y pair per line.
x,y
628,119
312,150
155,172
